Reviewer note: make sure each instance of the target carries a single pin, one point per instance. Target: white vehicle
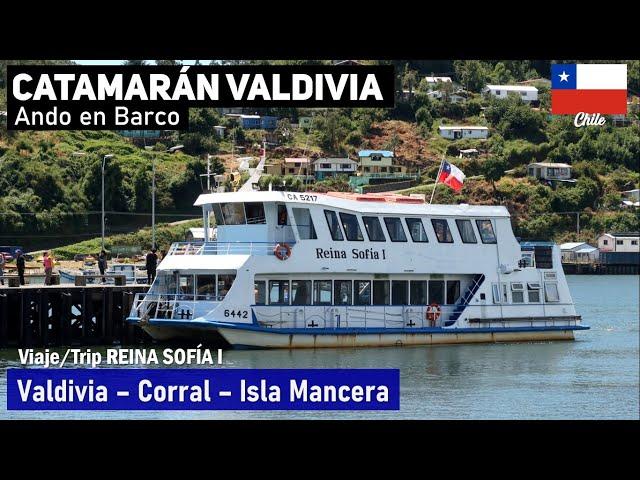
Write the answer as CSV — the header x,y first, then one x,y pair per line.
x,y
291,270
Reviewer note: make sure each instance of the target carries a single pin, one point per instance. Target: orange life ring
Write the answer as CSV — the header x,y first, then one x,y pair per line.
x,y
433,313
282,251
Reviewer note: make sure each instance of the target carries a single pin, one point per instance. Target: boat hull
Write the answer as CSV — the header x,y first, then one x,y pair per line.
x,y
240,338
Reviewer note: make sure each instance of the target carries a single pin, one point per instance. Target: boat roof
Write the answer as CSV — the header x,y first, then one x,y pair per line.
x,y
367,203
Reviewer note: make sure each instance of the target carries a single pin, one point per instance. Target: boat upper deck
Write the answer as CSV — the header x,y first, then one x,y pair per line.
x,y
365,203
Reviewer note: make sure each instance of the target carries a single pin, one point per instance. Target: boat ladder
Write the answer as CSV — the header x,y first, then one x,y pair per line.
x,y
465,299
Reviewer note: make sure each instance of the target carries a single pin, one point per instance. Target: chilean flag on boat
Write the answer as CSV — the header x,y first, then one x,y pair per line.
x,y
588,88
452,176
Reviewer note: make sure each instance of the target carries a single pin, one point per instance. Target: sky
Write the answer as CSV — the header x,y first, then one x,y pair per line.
x,y
119,62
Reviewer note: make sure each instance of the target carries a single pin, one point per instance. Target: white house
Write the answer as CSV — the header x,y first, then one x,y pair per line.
x,y
578,252
468,153
463,131
619,242
631,198
526,92
219,129
453,98
328,167
433,81
549,171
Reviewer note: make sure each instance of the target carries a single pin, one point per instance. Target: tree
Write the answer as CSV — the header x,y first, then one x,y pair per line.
x,y
409,78
493,169
168,63
471,74
424,118
134,63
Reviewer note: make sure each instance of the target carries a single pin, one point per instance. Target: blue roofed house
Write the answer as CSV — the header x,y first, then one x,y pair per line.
x,y
375,161
249,121
268,122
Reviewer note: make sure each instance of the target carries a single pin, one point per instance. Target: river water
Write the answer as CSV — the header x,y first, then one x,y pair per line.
x,y
595,377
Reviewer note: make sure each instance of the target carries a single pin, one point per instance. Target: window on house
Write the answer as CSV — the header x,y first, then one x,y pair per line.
x,y
418,290
533,292
374,229
300,292
255,213
322,292
362,292
206,287
345,166
260,292
466,231
634,242
619,242
605,242
304,223
551,292
351,227
381,292
517,293
416,230
400,292
376,158
334,225
342,292
436,291
395,230
325,165
487,234
441,227
278,292
233,213
453,291
292,170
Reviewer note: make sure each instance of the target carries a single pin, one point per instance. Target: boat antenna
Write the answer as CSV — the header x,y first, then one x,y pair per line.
x,y
437,178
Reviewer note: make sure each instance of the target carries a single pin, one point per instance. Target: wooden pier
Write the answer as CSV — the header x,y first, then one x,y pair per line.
x,y
64,315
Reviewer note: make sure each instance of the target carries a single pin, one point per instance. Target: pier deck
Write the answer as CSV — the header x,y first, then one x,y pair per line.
x,y
60,315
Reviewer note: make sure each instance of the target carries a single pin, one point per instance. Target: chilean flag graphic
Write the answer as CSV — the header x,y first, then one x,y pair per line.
x,y
452,176
588,88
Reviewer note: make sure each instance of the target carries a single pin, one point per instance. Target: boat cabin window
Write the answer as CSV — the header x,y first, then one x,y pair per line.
x,y
374,229
533,291
278,292
282,215
166,283
260,292
255,213
441,227
517,293
185,287
453,291
233,213
224,285
322,292
301,292
362,292
551,292
342,292
416,229
418,292
217,212
206,287
487,234
466,231
351,227
381,292
395,230
436,291
400,292
334,225
304,223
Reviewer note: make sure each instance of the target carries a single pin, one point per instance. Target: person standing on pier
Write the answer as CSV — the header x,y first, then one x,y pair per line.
x,y
47,261
20,263
102,264
2,264
152,265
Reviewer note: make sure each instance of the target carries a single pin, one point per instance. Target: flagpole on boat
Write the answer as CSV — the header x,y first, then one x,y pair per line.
x,y
437,178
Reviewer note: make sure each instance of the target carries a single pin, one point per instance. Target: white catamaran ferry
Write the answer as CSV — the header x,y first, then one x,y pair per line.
x,y
293,270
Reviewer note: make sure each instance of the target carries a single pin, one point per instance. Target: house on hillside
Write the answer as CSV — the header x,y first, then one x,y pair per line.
x,y
268,122
527,93
468,153
219,130
300,167
434,81
579,252
304,122
331,167
619,242
455,132
550,171
453,98
631,198
375,161
249,121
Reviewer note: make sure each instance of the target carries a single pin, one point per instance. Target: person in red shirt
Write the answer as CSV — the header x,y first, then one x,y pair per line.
x,y
47,261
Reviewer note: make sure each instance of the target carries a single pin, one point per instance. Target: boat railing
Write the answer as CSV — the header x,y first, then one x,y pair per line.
x,y
351,316
148,306
224,248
